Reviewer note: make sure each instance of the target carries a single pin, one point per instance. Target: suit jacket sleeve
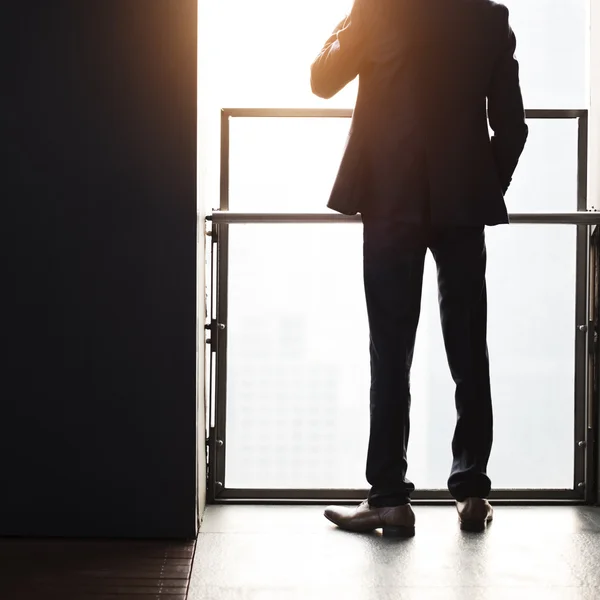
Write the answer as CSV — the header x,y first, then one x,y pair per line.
x,y
338,62
505,107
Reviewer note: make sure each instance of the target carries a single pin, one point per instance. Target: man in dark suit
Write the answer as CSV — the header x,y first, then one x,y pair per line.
x,y
420,167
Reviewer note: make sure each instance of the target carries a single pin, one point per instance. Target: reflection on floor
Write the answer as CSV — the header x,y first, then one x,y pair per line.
x,y
289,552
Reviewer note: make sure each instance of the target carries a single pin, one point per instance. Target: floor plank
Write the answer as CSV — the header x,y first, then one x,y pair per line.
x,y
99,570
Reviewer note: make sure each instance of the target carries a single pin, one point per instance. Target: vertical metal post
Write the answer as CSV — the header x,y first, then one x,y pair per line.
x,y
582,161
220,334
210,249
591,495
581,359
591,296
225,117
594,450
211,301
584,369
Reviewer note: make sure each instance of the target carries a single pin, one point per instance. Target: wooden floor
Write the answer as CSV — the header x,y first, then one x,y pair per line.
x,y
94,570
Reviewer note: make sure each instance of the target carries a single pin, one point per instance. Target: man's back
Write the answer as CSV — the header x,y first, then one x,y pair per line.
x,y
419,145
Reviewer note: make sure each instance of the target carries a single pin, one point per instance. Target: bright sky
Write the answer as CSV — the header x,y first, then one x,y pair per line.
x,y
265,47
261,50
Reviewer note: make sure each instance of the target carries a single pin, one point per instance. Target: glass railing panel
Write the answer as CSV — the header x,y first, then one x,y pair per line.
x,y
289,164
298,370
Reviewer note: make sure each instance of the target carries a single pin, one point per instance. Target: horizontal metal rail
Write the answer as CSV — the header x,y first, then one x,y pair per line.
x,y
224,217
344,113
320,496
289,113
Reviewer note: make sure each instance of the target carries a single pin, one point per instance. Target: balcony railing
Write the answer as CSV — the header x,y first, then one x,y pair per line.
x,y
289,362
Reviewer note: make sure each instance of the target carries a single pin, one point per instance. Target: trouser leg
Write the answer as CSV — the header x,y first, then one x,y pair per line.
x,y
460,255
393,275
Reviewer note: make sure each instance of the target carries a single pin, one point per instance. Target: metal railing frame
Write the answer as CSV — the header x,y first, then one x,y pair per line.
x,y
584,485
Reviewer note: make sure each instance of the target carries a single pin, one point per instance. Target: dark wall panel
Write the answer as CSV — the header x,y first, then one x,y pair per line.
x,y
98,377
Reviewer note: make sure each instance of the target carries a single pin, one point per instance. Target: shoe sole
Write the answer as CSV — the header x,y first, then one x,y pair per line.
x,y
474,526
388,530
398,532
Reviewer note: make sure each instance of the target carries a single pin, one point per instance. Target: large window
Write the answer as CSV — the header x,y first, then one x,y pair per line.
x,y
292,410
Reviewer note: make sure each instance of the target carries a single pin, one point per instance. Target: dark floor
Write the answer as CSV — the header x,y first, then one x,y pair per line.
x,y
94,570
286,552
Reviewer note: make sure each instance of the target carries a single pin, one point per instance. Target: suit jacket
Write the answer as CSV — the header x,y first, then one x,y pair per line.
x,y
431,74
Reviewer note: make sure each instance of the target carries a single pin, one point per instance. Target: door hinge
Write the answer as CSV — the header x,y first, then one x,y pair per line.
x,y
210,459
214,328
592,335
211,232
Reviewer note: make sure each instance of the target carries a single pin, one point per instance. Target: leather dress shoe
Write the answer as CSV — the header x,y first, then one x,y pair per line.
x,y
397,521
474,514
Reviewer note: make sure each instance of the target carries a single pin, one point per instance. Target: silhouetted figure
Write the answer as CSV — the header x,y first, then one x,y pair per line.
x,y
421,169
